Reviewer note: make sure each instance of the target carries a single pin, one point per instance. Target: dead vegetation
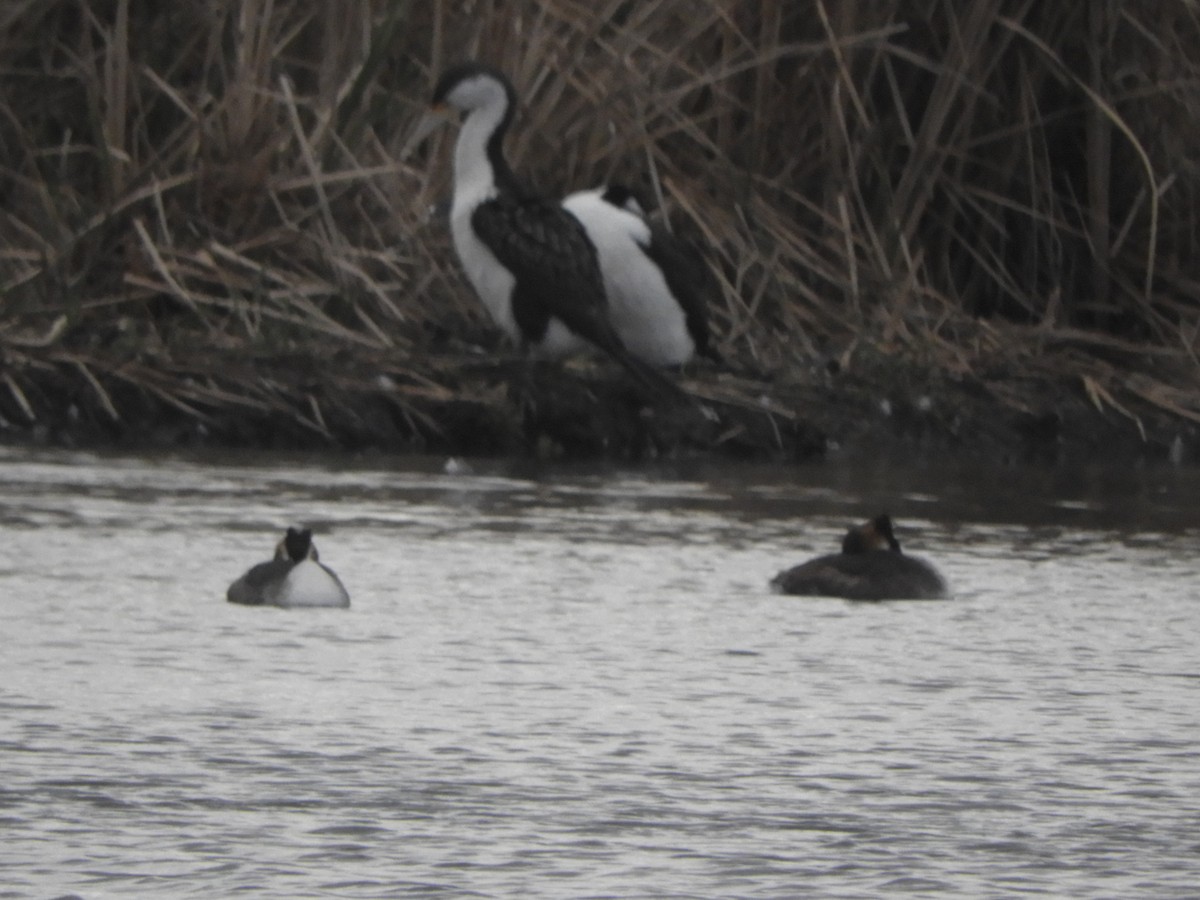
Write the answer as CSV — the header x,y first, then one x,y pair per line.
x,y
205,221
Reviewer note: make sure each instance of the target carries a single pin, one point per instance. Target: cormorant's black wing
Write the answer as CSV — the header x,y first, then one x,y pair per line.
x,y
553,262
557,276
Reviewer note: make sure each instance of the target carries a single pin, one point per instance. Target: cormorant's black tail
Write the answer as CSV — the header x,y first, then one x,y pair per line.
x,y
657,383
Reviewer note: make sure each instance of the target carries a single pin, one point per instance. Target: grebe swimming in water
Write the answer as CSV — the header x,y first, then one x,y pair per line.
x,y
870,567
295,577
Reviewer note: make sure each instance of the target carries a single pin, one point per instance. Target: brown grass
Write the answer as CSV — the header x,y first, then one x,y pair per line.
x,y
198,202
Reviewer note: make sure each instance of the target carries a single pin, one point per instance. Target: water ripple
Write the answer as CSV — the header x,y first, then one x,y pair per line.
x,y
577,684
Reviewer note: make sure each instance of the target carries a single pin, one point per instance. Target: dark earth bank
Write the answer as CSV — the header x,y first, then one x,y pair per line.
x,y
476,404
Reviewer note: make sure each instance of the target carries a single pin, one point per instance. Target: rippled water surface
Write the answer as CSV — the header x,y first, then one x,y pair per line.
x,y
574,683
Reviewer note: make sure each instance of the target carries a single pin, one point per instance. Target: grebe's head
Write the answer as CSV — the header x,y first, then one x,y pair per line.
x,y
297,545
873,535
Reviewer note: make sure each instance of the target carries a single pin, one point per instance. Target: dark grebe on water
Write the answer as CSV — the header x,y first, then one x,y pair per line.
x,y
870,567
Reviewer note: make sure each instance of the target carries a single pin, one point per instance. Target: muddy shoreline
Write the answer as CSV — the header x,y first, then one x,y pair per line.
x,y
473,403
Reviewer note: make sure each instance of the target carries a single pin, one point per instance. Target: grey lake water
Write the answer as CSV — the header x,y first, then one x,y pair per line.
x,y
573,682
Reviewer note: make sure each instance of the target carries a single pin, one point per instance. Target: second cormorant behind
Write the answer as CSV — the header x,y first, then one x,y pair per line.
x,y
657,285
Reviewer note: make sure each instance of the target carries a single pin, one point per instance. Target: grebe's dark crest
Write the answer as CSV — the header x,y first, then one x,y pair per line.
x,y
297,545
871,566
529,260
295,577
657,285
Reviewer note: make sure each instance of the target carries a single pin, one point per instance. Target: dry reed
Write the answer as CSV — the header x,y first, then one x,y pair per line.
x,y
202,206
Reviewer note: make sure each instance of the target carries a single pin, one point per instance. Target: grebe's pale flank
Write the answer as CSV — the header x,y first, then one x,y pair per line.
x,y
295,577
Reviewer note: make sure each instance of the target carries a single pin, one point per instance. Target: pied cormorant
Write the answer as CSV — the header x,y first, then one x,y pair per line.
x,y
656,284
870,567
295,577
528,259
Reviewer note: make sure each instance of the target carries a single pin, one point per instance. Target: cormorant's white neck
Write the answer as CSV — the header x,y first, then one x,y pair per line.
x,y
475,177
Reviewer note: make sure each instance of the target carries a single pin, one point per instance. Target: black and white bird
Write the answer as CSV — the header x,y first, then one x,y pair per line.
x,y
656,285
294,578
530,261
871,566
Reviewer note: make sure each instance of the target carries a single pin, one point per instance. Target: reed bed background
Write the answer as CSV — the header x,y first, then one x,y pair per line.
x,y
206,218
